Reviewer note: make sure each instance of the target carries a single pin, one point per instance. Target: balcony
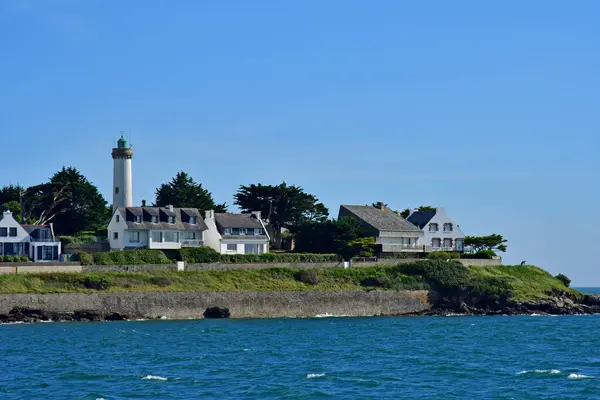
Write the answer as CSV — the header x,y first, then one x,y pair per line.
x,y
191,243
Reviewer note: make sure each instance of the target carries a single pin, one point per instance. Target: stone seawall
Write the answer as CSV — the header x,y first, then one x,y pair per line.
x,y
241,304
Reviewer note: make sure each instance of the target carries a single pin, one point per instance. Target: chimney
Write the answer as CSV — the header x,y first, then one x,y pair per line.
x,y
257,214
209,214
169,207
381,206
143,203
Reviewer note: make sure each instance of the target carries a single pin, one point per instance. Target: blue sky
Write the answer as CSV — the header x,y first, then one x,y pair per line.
x,y
489,110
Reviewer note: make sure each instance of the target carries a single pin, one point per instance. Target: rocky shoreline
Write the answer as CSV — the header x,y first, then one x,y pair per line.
x,y
562,303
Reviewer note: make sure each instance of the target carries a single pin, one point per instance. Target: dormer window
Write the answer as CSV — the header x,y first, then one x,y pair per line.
x,y
242,231
228,231
171,220
138,219
154,219
448,227
433,227
193,220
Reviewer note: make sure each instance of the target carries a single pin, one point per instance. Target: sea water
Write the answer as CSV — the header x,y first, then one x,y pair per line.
x,y
517,357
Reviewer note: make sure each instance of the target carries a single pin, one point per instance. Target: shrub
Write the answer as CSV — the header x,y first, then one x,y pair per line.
x,y
481,255
161,281
380,281
65,240
96,282
443,255
84,258
84,239
203,254
564,279
131,257
307,276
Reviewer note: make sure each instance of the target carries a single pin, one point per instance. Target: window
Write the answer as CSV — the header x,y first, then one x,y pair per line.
x,y
242,231
257,231
156,236
115,235
117,190
12,232
134,237
154,219
436,243
433,227
235,231
138,218
447,243
228,231
171,220
172,237
187,235
232,247
193,220
253,248
3,232
117,218
447,227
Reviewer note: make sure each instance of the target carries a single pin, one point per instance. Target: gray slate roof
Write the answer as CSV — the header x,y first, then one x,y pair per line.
x,y
386,221
181,218
231,220
421,218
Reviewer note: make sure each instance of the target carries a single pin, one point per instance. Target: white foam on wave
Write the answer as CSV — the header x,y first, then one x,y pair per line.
x,y
327,315
311,376
154,378
578,376
540,371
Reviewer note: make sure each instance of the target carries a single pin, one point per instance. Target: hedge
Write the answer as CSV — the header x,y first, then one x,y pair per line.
x,y
14,259
443,255
124,257
197,255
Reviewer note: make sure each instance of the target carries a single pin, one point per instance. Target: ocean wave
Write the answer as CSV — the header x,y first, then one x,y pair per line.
x,y
327,315
540,371
579,376
154,378
311,376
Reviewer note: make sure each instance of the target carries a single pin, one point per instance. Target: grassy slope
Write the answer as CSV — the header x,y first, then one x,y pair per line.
x,y
526,282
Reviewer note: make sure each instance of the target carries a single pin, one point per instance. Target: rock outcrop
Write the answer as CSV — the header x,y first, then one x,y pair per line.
x,y
24,314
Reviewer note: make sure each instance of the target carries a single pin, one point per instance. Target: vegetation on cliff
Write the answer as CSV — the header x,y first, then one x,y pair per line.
x,y
450,280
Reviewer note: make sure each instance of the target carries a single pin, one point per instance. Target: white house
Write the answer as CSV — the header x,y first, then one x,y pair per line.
x,y
34,241
155,228
440,231
230,233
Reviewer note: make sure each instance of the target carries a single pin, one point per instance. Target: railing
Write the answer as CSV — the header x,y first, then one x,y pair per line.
x,y
43,240
191,243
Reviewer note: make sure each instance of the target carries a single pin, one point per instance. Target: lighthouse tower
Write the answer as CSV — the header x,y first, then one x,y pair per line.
x,y
122,189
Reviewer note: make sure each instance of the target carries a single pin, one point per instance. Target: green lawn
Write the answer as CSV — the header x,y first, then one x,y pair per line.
x,y
523,282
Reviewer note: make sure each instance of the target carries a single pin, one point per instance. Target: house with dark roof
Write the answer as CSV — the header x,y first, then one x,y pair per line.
x,y
34,241
392,233
156,228
440,232
231,233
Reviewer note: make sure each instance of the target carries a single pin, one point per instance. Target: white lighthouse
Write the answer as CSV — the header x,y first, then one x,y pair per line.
x,y
122,188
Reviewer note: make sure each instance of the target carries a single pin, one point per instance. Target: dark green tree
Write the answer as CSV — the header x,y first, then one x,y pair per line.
x,y
486,243
76,203
406,212
183,191
10,193
14,207
329,236
283,206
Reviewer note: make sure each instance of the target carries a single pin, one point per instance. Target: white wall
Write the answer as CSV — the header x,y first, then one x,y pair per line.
x,y
212,237
122,179
241,246
441,218
119,227
9,222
